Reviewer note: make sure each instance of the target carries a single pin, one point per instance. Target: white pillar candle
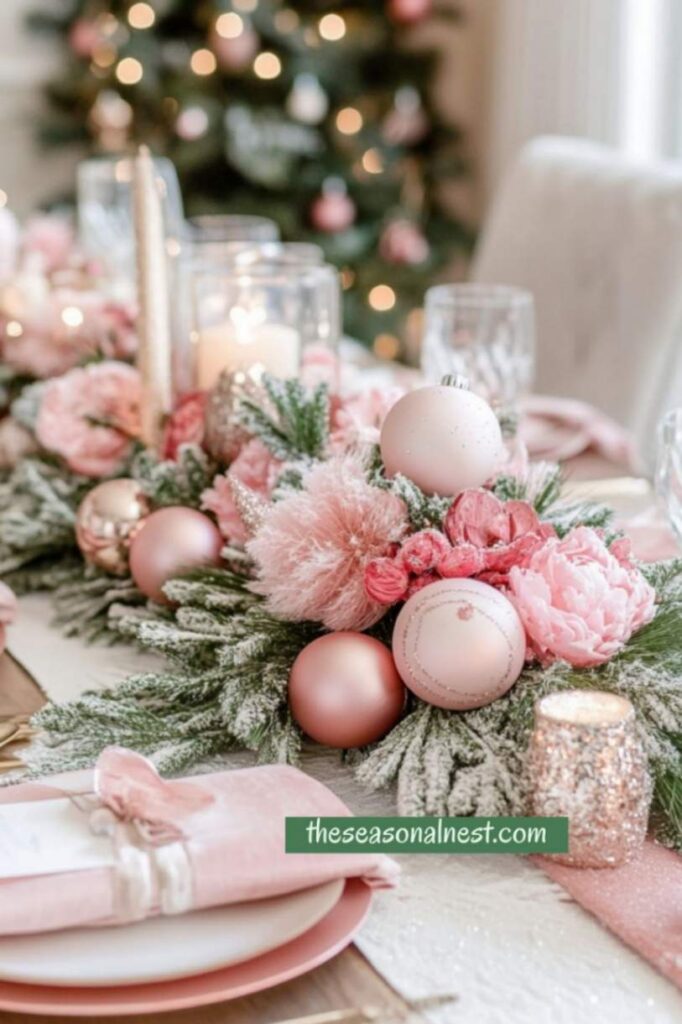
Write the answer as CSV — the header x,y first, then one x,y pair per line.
x,y
271,348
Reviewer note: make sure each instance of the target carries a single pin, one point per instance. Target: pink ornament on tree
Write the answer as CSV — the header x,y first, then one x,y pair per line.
x,y
402,242
236,53
333,210
409,12
84,38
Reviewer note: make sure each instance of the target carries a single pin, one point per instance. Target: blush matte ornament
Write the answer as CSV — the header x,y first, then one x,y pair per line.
x,y
172,541
459,644
344,690
443,437
107,519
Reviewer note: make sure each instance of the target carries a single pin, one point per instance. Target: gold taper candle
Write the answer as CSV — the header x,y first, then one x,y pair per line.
x,y
154,334
587,763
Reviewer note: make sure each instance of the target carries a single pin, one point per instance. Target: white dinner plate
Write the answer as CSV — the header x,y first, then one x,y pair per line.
x,y
164,948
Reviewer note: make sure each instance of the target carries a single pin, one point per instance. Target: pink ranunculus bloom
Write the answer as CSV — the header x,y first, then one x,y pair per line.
x,y
578,602
506,532
8,611
423,551
356,421
461,562
254,467
386,581
52,238
185,425
90,415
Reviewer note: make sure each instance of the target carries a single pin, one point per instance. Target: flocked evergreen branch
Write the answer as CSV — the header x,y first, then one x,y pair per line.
x,y
174,482
295,423
38,504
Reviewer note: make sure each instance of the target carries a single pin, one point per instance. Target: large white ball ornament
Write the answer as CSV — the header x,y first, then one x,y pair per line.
x,y
459,644
444,438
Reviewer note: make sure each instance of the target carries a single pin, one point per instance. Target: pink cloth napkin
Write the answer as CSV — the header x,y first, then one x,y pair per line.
x,y
640,902
235,847
558,429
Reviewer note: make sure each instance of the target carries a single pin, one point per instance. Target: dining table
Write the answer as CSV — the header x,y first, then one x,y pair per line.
x,y
507,945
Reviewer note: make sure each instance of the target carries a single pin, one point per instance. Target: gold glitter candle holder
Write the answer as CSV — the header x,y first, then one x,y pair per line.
x,y
587,764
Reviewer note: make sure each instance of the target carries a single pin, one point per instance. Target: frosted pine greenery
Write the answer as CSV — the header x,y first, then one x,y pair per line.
x,y
293,421
177,482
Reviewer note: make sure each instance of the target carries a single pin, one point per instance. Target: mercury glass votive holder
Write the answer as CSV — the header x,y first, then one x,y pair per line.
x,y
260,318
587,763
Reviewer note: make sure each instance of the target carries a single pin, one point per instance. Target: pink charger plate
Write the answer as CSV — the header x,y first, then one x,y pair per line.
x,y
327,938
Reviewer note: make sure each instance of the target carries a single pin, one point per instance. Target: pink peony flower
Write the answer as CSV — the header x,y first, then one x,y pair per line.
x,y
578,602
185,425
386,581
90,415
314,546
52,238
8,611
507,533
254,467
356,421
423,551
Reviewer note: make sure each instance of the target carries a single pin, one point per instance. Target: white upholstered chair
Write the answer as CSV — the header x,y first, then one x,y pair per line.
x,y
598,240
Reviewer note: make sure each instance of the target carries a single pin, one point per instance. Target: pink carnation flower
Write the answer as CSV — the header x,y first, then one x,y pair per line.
x,y
90,415
314,546
185,425
8,611
254,467
578,602
506,533
386,581
15,443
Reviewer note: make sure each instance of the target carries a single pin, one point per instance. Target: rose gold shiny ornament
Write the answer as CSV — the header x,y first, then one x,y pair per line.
x,y
344,690
106,522
443,437
587,764
459,644
172,541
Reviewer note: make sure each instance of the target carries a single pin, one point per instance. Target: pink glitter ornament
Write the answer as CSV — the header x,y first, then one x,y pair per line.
x,y
459,644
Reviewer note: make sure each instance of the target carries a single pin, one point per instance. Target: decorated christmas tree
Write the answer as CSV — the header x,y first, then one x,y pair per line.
x,y
316,113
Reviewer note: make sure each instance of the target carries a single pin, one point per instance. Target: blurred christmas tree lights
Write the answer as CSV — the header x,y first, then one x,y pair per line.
x,y
318,114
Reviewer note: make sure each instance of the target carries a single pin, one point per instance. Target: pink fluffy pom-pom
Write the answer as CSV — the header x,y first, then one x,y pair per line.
x,y
314,546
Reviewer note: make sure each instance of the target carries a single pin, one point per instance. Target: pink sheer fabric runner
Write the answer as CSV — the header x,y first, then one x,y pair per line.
x,y
641,902
234,841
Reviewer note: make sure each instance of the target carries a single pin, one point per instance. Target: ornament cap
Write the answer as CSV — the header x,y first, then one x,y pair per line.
x,y
456,380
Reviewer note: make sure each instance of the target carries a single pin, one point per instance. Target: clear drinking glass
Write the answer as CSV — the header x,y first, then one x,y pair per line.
x,y
105,209
232,227
248,253
260,318
485,332
669,467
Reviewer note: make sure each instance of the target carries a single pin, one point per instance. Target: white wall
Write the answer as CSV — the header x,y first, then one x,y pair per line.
x,y
28,173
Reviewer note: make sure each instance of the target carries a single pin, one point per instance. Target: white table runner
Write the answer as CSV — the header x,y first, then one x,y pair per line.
x,y
494,930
